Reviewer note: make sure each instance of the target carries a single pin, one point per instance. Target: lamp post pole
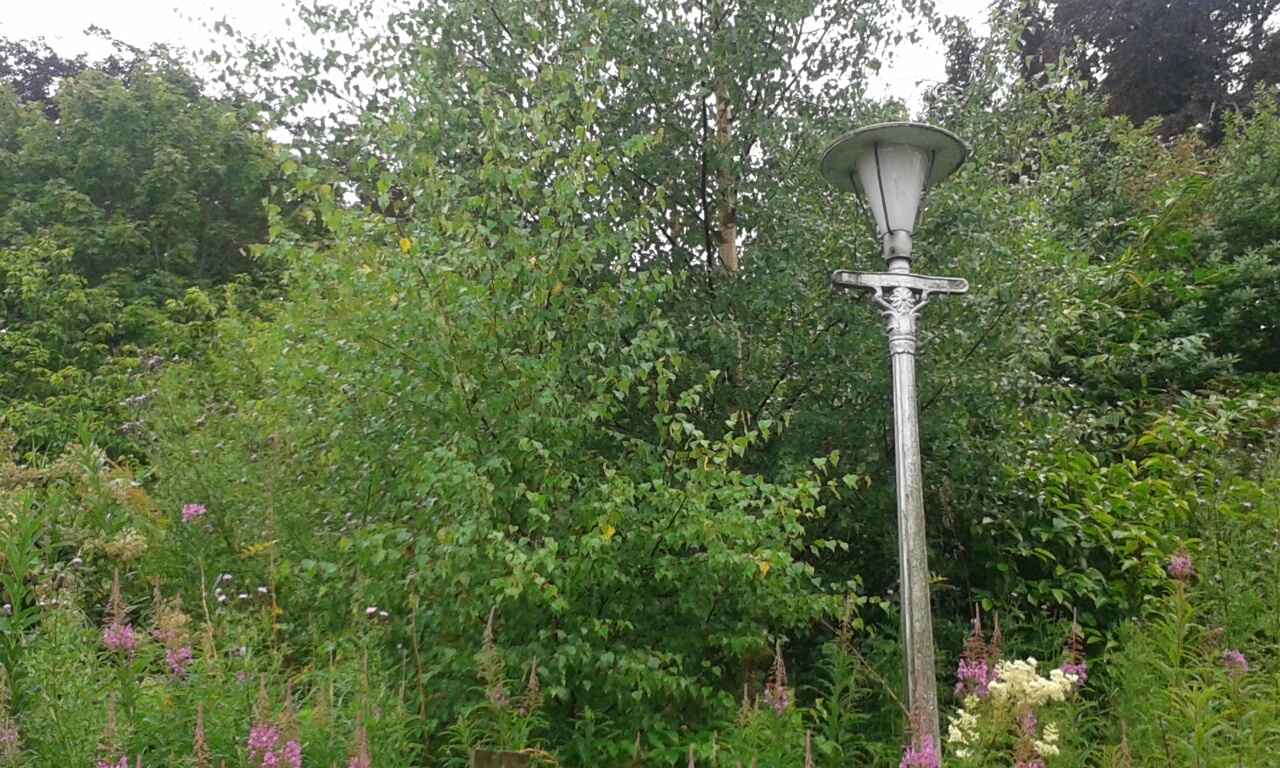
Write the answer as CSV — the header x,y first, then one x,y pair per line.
x,y
892,165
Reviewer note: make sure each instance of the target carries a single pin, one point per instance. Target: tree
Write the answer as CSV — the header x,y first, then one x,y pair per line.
x,y
1183,62
119,197
35,70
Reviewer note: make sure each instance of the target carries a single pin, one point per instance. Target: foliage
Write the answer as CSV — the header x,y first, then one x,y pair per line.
x,y
1184,63
555,438
127,196
1185,694
462,424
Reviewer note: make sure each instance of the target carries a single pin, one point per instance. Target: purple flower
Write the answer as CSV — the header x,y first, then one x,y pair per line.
x,y
1180,566
1234,662
178,659
9,748
192,512
973,677
921,754
498,696
776,696
1079,670
1027,722
118,637
123,762
262,745
291,755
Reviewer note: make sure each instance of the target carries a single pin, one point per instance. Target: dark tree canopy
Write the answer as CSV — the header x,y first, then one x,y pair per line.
x,y
1184,62
34,70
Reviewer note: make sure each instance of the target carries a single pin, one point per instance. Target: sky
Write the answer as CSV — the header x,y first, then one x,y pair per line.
x,y
143,22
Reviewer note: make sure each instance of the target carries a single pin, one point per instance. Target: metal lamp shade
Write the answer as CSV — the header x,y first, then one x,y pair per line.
x,y
892,178
891,165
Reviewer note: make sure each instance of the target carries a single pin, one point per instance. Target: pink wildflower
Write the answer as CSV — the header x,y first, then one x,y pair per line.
x,y
1235,663
498,695
200,757
108,742
1180,566
1025,751
178,659
291,755
192,512
1079,671
9,745
777,698
262,746
920,751
920,754
532,691
118,637
776,694
973,677
976,670
491,667
1027,722
1074,650
359,748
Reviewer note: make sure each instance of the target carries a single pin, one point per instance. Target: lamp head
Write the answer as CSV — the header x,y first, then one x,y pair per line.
x,y
891,166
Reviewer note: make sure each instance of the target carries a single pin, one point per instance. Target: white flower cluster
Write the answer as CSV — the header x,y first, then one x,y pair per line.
x,y
1047,744
1017,684
964,728
1016,688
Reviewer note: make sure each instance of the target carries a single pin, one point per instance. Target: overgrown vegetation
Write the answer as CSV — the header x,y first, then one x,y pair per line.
x,y
507,404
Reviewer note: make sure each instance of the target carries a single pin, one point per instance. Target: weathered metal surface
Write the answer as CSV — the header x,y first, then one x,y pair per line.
x,y
881,281
901,297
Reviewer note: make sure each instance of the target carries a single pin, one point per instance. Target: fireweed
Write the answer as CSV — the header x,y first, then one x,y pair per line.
x,y
112,755
770,727
776,695
505,720
171,632
117,635
359,747
273,743
192,513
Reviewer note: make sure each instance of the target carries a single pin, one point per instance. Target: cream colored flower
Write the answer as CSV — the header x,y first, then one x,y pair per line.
x,y
1018,684
1047,745
964,726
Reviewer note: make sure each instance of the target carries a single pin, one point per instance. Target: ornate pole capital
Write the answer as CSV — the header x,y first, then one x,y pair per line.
x,y
901,297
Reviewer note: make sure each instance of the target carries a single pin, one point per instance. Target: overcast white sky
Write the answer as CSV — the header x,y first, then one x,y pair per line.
x,y
143,22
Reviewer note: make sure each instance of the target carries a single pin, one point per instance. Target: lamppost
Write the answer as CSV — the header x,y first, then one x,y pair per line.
x,y
891,166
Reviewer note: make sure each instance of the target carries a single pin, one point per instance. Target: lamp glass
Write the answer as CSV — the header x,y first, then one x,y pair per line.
x,y
893,178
